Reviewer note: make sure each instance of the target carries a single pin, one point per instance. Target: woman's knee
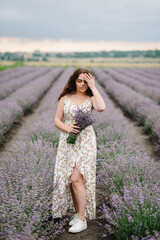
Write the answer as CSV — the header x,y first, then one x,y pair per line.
x,y
76,176
75,179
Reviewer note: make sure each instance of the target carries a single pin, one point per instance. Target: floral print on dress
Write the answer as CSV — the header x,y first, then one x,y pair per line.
x,y
84,154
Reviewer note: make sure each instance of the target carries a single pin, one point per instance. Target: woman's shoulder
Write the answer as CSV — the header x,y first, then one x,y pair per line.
x,y
64,97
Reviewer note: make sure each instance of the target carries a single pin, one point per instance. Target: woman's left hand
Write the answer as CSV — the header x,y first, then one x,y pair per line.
x,y
90,80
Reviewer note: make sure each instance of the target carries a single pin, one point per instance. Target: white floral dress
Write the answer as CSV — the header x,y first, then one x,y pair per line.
x,y
84,154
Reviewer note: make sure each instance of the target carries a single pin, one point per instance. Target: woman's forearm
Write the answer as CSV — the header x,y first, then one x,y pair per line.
x,y
61,125
100,104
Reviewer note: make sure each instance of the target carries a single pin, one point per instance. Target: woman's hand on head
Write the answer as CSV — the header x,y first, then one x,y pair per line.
x,y
90,80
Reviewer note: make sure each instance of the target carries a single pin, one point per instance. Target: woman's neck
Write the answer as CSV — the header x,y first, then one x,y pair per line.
x,y
79,94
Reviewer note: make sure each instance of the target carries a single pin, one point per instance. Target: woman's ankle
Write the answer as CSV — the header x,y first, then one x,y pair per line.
x,y
81,217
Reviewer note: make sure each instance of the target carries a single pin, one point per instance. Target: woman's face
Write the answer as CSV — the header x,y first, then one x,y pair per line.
x,y
81,84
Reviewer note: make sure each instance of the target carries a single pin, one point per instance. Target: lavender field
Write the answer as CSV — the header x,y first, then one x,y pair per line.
x,y
128,179
132,95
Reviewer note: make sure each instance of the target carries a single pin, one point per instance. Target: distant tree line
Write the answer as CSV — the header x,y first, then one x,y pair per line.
x,y
39,56
109,54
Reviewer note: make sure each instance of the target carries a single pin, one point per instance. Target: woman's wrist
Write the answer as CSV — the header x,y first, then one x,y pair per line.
x,y
62,126
67,128
94,88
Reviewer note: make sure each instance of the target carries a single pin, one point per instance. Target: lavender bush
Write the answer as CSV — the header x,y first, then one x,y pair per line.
x,y
127,178
153,71
83,119
149,73
136,84
23,99
9,74
26,192
27,177
139,76
44,125
141,108
8,87
29,94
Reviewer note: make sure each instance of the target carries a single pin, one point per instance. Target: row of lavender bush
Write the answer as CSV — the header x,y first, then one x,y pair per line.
x,y
27,177
9,74
141,108
139,76
7,88
155,71
140,84
23,99
11,70
129,179
150,73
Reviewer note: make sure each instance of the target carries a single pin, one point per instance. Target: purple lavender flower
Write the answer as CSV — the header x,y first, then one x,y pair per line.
x,y
83,119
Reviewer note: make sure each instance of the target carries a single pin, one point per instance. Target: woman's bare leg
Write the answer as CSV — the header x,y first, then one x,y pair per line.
x,y
74,198
79,191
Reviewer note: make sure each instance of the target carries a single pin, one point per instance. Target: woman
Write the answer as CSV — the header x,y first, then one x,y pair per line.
x,y
75,167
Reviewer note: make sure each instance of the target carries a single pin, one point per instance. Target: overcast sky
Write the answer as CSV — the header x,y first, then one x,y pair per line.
x,y
84,20
79,25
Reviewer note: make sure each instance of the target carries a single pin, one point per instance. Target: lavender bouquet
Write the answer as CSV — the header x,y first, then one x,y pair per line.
x,y
82,119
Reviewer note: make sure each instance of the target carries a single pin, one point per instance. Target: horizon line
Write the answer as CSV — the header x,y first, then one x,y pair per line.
x,y
21,44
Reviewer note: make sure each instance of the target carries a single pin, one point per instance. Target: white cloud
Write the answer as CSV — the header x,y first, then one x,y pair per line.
x,y
68,45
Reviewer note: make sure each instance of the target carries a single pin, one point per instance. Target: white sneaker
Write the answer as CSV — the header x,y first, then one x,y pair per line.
x,y
78,226
74,218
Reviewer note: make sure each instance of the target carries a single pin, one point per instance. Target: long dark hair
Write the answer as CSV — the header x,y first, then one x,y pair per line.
x,y
71,83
